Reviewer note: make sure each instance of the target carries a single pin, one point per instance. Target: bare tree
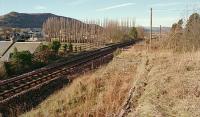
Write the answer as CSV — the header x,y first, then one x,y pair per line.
x,y
97,32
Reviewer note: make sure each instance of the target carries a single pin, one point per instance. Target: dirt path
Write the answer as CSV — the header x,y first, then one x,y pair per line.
x,y
138,87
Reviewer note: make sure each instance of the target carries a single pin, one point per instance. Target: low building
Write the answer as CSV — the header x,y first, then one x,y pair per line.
x,y
26,34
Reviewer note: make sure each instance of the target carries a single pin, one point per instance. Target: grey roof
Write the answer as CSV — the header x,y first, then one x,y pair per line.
x,y
21,46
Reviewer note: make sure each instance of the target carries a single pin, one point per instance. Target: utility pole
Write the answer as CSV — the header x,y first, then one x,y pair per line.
x,y
160,32
151,26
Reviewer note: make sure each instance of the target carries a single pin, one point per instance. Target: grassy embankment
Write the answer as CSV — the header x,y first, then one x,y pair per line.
x,y
165,83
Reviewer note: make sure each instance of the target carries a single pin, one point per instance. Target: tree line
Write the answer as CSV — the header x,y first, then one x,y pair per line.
x,y
88,31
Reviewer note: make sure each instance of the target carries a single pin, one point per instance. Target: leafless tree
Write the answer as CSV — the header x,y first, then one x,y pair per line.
x,y
97,32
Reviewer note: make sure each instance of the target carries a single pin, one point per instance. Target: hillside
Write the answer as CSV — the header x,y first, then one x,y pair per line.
x,y
25,20
137,83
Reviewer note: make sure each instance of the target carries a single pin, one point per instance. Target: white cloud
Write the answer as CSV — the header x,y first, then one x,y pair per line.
x,y
39,7
115,6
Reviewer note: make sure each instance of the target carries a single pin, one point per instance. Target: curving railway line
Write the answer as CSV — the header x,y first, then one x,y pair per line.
x,y
24,83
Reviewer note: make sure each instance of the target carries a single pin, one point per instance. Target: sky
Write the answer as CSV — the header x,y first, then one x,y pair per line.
x,y
165,12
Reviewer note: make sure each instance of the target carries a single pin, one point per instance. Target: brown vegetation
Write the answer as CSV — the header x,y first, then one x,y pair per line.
x,y
163,83
98,32
166,84
95,94
184,38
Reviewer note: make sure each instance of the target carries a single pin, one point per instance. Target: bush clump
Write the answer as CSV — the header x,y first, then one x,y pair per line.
x,y
184,38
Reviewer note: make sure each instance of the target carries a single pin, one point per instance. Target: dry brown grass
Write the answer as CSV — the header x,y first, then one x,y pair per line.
x,y
95,94
166,84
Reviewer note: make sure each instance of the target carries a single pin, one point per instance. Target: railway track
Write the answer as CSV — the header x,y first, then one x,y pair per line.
x,y
24,83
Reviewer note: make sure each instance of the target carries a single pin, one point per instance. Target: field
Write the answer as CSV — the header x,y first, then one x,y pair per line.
x,y
161,83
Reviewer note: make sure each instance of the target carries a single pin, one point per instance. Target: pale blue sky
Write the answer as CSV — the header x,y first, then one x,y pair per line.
x,y
165,13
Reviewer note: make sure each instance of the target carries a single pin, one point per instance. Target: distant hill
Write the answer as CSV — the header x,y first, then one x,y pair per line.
x,y
25,20
157,29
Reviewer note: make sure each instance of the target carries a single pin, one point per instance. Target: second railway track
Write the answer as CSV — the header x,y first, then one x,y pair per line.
x,y
24,83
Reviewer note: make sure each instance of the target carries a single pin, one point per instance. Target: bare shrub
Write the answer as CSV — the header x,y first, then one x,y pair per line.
x,y
192,32
184,38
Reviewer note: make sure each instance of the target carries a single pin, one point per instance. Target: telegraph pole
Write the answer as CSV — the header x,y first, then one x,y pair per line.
x,y
160,31
151,26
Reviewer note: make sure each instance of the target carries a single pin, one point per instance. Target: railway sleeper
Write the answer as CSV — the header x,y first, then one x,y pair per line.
x,y
6,95
38,82
53,75
45,79
17,81
32,84
29,78
18,90
26,87
36,75
60,73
